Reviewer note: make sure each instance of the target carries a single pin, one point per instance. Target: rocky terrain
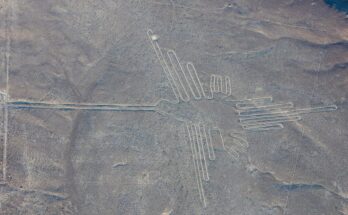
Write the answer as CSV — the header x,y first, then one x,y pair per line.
x,y
173,107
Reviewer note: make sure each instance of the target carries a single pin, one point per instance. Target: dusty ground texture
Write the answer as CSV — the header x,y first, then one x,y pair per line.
x,y
90,162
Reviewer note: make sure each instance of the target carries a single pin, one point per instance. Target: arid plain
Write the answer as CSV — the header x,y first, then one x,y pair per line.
x,y
173,107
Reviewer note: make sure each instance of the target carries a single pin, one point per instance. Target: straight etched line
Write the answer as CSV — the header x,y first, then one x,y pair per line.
x,y
250,106
262,100
317,109
168,72
212,85
194,77
215,83
195,163
190,64
171,53
7,69
5,145
228,86
198,150
202,152
91,107
219,83
163,63
26,155
8,48
208,142
268,117
266,127
231,152
267,112
101,105
272,121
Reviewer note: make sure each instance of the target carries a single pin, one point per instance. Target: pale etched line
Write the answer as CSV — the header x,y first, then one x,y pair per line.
x,y
4,164
268,117
172,61
269,109
215,10
198,178
250,106
72,104
212,85
119,164
256,52
171,79
190,64
169,74
173,73
245,116
293,174
195,163
242,143
225,85
239,145
201,152
317,109
316,84
228,86
26,155
194,76
82,106
208,142
163,63
272,120
8,48
231,152
7,69
63,108
219,83
266,127
264,107
254,100
291,115
276,112
265,112
181,6
197,150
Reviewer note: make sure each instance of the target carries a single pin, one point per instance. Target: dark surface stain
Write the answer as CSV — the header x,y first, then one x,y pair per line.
x,y
297,187
340,5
